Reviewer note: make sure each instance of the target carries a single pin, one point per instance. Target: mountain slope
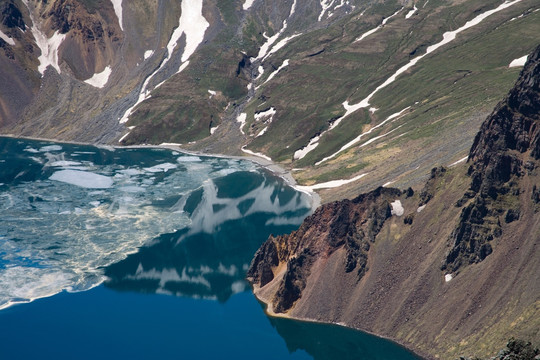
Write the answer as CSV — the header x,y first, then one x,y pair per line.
x,y
449,270
186,72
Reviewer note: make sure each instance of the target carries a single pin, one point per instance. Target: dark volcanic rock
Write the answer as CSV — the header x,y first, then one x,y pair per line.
x,y
11,16
351,225
510,133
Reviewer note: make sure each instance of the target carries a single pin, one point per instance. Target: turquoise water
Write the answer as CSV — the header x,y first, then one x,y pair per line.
x,y
142,253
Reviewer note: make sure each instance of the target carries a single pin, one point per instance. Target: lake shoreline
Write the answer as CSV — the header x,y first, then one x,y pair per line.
x,y
266,164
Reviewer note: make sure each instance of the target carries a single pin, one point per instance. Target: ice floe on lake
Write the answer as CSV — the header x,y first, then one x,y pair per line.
x,y
83,179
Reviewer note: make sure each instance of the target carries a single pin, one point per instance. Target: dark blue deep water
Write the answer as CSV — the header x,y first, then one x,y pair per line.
x,y
141,254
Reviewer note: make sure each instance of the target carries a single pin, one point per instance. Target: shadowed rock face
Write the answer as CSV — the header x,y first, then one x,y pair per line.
x,y
505,148
355,263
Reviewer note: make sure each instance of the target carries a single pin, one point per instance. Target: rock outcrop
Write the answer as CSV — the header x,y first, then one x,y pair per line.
x,y
505,149
348,225
482,222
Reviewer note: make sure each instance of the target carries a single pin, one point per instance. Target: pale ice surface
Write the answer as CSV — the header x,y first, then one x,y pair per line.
x,y
6,38
117,5
99,80
64,163
50,148
161,168
188,159
518,62
66,239
83,179
397,208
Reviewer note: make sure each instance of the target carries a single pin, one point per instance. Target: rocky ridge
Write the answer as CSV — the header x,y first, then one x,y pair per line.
x,y
481,223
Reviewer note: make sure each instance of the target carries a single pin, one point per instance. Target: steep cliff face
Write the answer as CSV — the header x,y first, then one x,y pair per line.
x,y
504,154
452,270
349,226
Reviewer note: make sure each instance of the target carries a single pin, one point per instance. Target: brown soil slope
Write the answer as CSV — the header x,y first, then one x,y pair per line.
x,y
381,266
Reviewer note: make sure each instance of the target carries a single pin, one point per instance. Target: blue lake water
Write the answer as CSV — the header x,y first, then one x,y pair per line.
x,y
142,253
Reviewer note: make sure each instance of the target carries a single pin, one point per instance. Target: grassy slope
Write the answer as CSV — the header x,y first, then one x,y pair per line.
x,y
455,85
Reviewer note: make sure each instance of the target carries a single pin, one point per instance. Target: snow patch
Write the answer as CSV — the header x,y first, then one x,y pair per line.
x,y
359,137
182,67
263,131
193,25
264,114
448,37
518,62
255,154
148,54
325,4
265,50
7,39
123,137
397,208
212,93
281,43
420,208
247,4
49,49
448,277
330,184
242,120
285,64
301,153
117,5
213,130
99,80
412,12
83,179
374,30
459,161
